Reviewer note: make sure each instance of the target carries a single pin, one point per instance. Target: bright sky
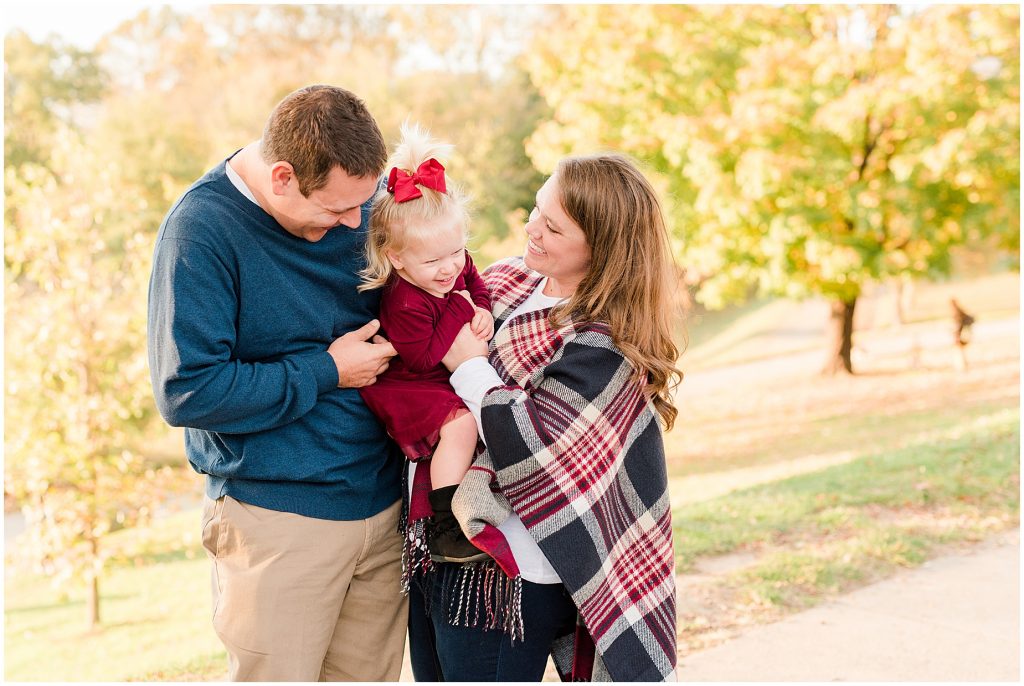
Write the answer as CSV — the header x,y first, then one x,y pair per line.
x,y
84,23
81,24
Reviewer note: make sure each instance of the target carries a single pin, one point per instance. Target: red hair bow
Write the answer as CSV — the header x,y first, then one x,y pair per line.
x,y
430,174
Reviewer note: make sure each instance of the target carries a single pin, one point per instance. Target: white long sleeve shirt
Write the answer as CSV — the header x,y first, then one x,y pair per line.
x,y
471,381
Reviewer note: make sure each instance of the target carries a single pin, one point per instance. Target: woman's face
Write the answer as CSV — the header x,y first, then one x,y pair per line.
x,y
557,247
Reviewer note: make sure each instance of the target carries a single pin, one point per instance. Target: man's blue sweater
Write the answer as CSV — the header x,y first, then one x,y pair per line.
x,y
241,313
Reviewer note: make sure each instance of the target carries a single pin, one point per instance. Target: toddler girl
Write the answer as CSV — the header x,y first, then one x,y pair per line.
x,y
416,251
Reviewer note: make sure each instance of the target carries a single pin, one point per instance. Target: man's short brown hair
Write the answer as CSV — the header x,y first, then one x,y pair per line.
x,y
318,128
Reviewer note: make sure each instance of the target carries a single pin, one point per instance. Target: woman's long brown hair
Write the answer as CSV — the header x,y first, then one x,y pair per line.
x,y
628,283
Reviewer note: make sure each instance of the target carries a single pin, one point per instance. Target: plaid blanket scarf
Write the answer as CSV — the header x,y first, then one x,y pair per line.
x,y
575,449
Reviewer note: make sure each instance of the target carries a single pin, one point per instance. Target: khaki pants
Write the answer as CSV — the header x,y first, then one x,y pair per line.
x,y
303,599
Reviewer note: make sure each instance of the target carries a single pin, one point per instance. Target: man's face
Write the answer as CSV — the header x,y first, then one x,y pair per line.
x,y
310,218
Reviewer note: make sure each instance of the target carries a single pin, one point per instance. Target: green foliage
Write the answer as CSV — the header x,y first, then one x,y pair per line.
x,y
44,84
802,149
176,111
156,608
77,387
99,144
489,160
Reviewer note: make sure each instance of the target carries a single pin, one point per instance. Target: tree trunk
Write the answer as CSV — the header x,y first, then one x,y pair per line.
x,y
904,296
840,337
93,580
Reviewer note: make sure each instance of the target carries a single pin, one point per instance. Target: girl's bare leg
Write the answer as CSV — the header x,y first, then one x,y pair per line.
x,y
454,452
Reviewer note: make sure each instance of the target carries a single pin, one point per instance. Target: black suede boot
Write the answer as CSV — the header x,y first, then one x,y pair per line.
x,y
447,542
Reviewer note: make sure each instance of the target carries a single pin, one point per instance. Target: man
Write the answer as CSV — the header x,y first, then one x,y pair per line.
x,y
258,341
962,322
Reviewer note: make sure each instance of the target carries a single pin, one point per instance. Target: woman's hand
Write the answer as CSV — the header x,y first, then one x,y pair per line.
x,y
465,346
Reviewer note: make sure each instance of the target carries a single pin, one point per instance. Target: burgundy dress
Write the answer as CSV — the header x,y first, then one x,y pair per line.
x,y
413,397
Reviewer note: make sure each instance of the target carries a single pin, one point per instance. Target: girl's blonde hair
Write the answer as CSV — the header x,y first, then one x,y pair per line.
x,y
629,281
396,225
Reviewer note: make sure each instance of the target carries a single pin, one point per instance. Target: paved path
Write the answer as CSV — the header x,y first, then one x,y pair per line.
x,y
955,618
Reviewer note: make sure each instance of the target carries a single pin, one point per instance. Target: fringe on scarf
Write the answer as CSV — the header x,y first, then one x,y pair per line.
x,y
479,594
466,589
415,553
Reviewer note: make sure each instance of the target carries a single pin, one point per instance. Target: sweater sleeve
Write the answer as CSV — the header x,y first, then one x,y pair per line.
x,y
418,339
471,381
193,303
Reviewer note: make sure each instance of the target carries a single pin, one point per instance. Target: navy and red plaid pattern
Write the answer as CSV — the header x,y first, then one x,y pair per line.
x,y
510,283
575,446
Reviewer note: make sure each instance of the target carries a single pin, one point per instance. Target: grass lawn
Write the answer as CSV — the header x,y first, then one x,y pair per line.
x,y
155,612
903,460
971,471
774,412
814,536
929,457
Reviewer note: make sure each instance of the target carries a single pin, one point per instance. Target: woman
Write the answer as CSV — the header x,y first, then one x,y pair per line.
x,y
570,495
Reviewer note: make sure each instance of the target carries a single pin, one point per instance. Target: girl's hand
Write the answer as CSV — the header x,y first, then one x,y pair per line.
x,y
467,296
465,346
482,324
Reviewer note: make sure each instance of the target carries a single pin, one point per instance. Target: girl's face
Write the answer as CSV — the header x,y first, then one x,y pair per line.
x,y
557,246
433,265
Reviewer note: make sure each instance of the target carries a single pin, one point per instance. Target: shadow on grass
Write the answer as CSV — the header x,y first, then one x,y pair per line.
x,y
901,372
991,361
213,667
834,433
908,423
26,609
154,557
147,621
702,325
10,609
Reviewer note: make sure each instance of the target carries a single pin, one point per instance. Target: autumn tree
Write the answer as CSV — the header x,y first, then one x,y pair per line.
x,y
77,249
804,150
474,92
106,140
77,387
44,84
172,112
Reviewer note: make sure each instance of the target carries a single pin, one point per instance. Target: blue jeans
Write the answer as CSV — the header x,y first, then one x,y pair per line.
x,y
442,652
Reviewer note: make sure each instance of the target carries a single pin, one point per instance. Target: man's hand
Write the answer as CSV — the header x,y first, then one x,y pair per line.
x,y
482,324
358,360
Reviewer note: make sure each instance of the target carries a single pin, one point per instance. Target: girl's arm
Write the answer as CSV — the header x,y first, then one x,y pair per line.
x,y
421,341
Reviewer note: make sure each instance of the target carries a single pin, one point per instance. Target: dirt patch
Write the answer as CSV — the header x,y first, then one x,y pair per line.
x,y
724,564
781,410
